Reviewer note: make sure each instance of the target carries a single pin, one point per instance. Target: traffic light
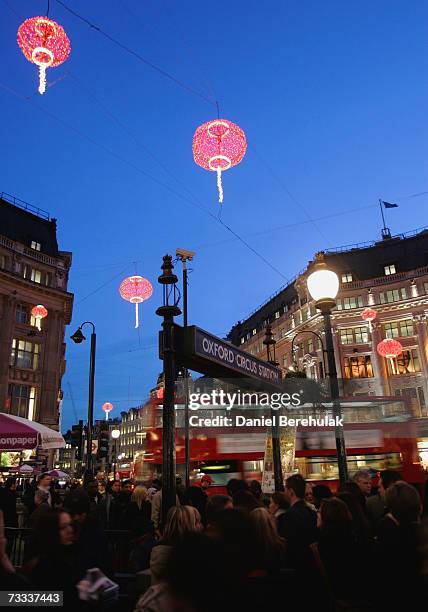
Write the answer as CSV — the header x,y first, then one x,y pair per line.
x,y
77,439
103,441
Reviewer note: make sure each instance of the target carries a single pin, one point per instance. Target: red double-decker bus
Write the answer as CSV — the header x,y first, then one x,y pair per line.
x,y
380,433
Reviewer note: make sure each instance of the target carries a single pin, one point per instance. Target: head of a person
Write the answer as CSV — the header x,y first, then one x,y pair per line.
x,y
351,487
92,488
360,521
403,502
278,501
44,481
115,487
139,495
387,478
309,495
216,504
295,487
363,479
244,500
334,518
77,504
256,489
321,492
10,484
102,485
53,529
40,497
157,483
235,530
234,485
180,521
206,481
126,487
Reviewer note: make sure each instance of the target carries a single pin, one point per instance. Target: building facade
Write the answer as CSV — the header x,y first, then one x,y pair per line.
x,y
391,277
32,271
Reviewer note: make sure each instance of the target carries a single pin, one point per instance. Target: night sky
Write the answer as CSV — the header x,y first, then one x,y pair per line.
x,y
332,97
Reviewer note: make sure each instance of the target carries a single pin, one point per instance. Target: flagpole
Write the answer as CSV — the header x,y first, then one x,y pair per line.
x,y
383,216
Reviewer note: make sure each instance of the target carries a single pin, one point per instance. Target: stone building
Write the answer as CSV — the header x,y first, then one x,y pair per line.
x,y
390,276
32,271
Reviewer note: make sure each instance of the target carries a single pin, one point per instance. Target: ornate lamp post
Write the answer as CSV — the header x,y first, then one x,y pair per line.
x,y
78,338
168,311
270,342
323,286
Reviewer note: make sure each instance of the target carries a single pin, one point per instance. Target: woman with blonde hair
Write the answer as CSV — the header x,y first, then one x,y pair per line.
x,y
181,520
269,546
137,517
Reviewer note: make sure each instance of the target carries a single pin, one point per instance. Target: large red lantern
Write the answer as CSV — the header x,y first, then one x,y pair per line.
x,y
44,43
107,407
390,349
39,312
217,146
136,289
369,315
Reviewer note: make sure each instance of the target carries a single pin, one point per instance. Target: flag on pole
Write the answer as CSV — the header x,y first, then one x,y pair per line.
x,y
389,205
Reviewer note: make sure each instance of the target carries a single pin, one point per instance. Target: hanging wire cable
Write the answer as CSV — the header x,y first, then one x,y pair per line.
x,y
47,10
102,286
135,54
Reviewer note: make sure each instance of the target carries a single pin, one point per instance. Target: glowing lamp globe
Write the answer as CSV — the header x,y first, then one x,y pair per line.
x,y
369,315
107,407
217,146
39,312
136,289
323,285
44,43
389,348
115,434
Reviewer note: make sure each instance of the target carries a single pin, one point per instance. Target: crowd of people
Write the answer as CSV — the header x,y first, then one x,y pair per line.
x,y
355,549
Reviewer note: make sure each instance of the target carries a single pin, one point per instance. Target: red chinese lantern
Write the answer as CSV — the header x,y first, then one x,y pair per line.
x,y
44,43
217,146
107,407
390,349
369,315
39,312
136,289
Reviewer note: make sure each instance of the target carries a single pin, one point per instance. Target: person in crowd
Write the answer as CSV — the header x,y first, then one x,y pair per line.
x,y
269,545
120,506
339,556
256,490
114,488
216,504
44,483
361,524
137,517
8,503
278,506
402,547
40,506
196,496
245,500
299,524
320,492
157,509
91,488
364,481
90,540
206,482
180,521
180,489
309,495
375,505
234,485
53,565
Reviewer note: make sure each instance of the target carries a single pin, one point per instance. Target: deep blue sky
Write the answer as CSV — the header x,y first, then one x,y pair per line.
x,y
333,99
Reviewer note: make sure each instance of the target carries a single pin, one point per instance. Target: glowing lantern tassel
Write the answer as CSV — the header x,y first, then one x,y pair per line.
x,y
42,79
137,323
219,186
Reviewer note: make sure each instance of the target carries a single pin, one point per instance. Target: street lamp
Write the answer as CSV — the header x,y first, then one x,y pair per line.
x,y
168,311
78,338
269,341
115,434
323,287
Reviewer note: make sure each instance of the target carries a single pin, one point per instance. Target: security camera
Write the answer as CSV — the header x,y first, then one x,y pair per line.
x,y
185,255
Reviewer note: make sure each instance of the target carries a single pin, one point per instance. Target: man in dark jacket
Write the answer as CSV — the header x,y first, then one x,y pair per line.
x,y
298,524
8,503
